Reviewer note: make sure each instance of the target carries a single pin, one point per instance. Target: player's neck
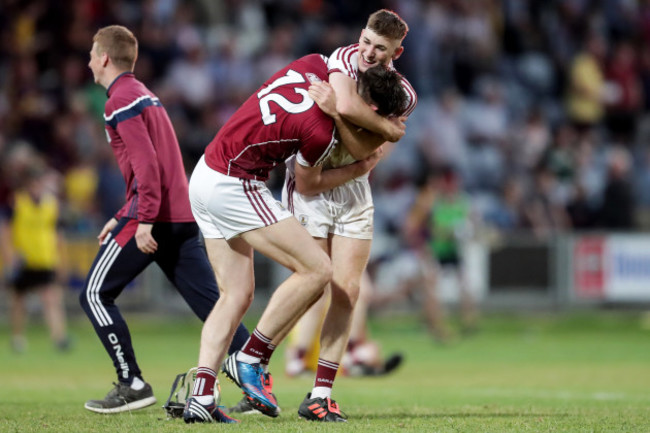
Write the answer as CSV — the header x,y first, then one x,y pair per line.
x,y
110,76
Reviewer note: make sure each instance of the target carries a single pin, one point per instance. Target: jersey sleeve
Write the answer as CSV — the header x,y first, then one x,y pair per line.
x,y
344,60
144,161
319,141
412,97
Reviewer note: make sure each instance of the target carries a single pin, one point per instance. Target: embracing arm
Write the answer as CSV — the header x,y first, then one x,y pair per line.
x,y
359,142
353,108
314,180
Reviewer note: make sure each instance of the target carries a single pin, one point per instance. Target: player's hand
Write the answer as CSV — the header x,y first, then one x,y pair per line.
x,y
143,238
108,227
323,94
396,129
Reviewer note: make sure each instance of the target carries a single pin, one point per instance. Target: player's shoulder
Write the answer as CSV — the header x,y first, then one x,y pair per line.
x,y
128,99
344,60
127,90
311,63
411,94
345,52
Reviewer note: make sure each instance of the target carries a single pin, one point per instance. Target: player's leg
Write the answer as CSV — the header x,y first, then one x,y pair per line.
x,y
117,263
305,336
363,355
359,327
18,318
349,259
290,245
469,314
434,312
232,263
54,313
183,259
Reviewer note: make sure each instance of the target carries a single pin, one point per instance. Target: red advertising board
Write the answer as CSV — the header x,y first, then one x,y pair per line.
x,y
589,267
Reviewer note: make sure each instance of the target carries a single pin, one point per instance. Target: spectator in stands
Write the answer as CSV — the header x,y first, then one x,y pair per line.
x,y
618,209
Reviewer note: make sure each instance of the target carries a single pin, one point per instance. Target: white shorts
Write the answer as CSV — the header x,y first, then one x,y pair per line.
x,y
226,206
346,210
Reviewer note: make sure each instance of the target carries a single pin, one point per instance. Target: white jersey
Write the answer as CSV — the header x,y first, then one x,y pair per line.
x,y
346,210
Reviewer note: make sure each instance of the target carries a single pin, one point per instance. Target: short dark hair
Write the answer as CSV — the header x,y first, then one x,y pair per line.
x,y
383,88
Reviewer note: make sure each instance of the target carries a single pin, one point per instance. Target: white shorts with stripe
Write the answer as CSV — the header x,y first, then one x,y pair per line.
x,y
226,206
346,210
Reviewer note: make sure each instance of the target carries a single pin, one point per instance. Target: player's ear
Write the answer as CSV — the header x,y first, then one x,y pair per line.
x,y
374,107
398,52
104,59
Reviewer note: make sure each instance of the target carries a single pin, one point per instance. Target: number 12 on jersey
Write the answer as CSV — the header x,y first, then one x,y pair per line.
x,y
266,96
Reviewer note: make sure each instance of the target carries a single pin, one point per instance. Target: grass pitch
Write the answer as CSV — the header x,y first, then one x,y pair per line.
x,y
586,372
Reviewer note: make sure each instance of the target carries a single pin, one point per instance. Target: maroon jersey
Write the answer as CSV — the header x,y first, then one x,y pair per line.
x,y
278,121
147,151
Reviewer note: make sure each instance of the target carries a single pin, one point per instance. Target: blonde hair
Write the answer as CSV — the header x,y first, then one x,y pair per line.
x,y
388,24
120,44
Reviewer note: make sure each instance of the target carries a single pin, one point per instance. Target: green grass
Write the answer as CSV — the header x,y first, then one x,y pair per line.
x,y
586,372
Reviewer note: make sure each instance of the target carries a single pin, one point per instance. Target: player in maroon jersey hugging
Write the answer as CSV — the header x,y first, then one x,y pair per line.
x,y
238,214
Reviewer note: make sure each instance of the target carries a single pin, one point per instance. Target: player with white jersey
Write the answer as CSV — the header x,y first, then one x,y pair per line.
x,y
341,219
237,213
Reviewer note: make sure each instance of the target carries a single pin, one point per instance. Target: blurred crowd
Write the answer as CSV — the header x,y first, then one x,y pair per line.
x,y
539,106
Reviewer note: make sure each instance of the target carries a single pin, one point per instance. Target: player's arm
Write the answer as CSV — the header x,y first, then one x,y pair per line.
x,y
6,249
359,142
314,180
353,108
144,161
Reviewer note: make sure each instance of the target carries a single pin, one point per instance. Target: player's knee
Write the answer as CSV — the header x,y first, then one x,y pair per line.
x,y
323,270
238,299
345,296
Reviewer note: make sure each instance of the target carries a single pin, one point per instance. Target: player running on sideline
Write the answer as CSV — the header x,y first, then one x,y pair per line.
x,y
154,225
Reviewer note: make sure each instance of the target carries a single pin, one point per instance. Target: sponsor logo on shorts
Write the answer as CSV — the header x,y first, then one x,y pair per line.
x,y
304,220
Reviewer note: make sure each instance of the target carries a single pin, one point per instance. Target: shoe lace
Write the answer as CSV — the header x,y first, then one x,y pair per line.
x,y
116,391
333,407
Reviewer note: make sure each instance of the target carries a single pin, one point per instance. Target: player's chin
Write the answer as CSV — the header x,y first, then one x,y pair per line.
x,y
364,66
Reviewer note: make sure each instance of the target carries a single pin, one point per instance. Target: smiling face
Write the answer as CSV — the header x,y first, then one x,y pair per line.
x,y
375,49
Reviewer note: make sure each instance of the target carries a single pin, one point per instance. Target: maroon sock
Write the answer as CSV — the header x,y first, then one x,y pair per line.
x,y
266,359
204,382
259,346
325,373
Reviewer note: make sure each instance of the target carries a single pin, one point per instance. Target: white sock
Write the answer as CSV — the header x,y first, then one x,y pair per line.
x,y
137,384
321,392
248,359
